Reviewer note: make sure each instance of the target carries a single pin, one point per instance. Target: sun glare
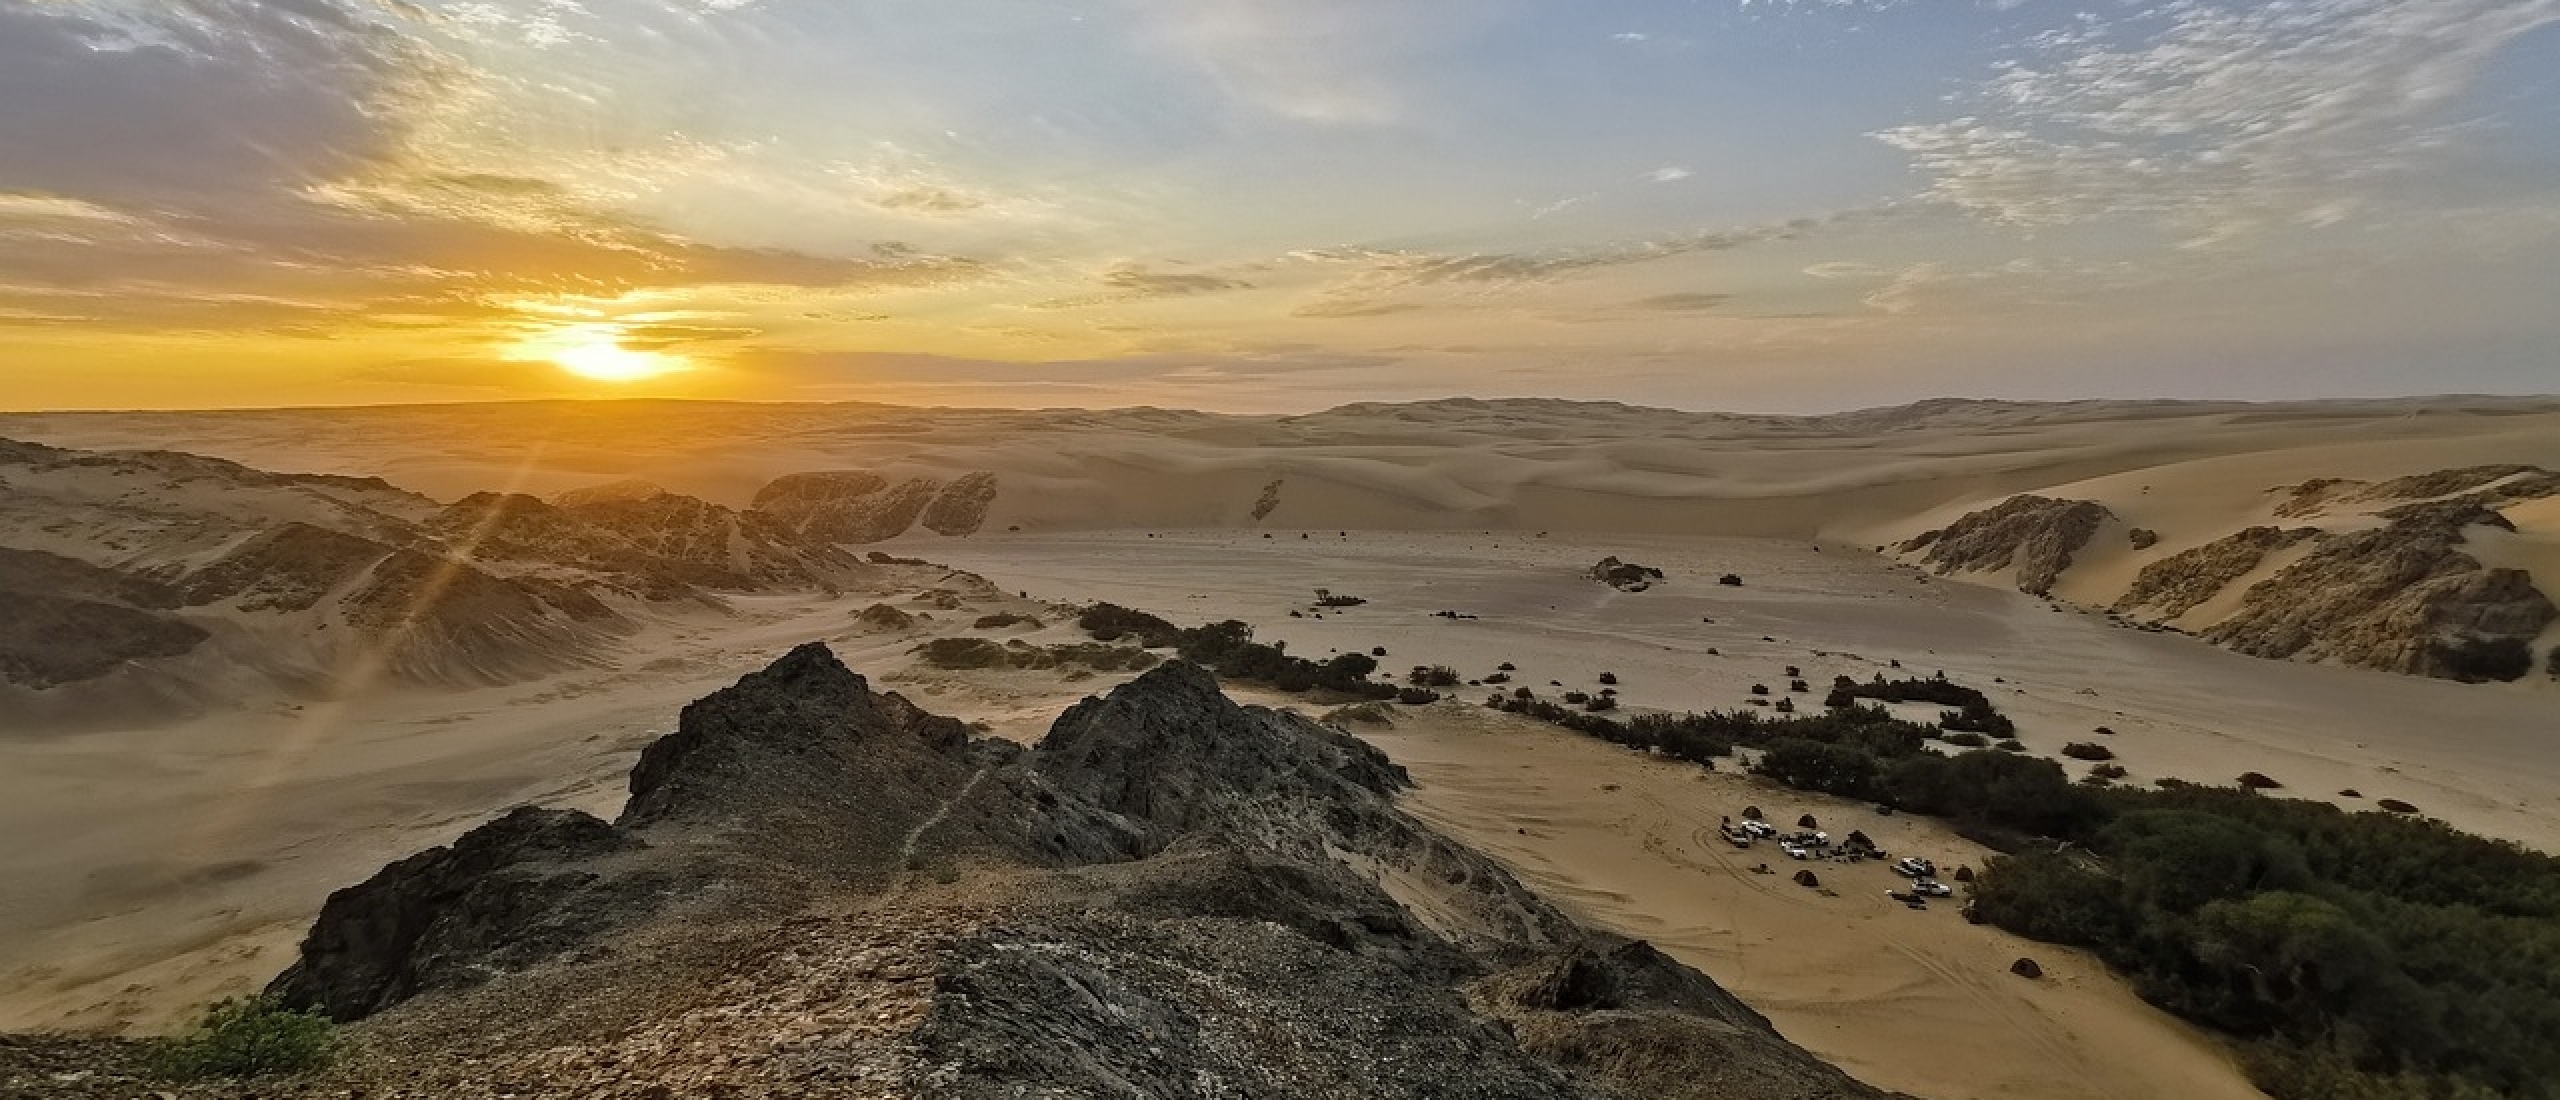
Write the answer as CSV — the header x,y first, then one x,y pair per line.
x,y
606,361
595,353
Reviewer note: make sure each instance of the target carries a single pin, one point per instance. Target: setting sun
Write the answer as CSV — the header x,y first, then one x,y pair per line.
x,y
605,361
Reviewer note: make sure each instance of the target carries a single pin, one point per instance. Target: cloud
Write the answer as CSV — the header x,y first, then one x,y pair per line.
x,y
1132,283
2219,119
1672,174
1681,303
1326,62
929,200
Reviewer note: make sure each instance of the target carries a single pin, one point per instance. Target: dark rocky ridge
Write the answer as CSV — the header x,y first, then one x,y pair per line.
x,y
1170,895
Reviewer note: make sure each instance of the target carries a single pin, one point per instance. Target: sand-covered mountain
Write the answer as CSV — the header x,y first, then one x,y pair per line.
x,y
819,890
2417,574
140,582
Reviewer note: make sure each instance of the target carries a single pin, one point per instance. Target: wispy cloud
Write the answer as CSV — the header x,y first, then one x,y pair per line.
x,y
2219,118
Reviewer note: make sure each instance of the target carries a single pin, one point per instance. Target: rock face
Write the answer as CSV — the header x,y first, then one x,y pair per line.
x,y
2036,534
961,507
2402,597
504,896
2183,581
1170,895
857,506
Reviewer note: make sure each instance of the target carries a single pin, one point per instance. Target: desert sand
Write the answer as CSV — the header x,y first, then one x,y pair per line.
x,y
162,865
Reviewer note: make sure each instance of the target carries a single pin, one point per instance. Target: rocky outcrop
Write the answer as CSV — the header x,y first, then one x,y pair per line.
x,y
846,506
47,639
510,893
657,546
1625,576
2187,579
2490,486
2402,597
961,507
289,568
1171,895
438,620
2037,535
63,621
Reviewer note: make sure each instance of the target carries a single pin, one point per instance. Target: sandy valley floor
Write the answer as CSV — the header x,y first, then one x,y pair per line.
x,y
163,867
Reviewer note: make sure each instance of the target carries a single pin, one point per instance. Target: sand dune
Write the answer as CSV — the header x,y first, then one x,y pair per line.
x,y
1492,509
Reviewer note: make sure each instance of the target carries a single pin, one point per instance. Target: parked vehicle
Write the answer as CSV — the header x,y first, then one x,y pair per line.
x,y
1932,888
1796,851
1915,867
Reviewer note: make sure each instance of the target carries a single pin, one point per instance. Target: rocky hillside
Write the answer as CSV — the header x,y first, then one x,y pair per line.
x,y
819,890
156,578
2375,574
855,506
2034,535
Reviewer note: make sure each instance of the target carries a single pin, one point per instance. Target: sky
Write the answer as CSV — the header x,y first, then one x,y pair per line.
x,y
1275,205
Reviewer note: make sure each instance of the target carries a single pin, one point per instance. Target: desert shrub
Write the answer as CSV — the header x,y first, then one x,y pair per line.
x,y
1433,676
1730,580
250,1037
1414,696
1968,740
1111,622
2083,750
2011,745
1978,718
1799,686
1577,698
2108,772
1600,703
1759,689
1507,666
1935,689
1608,677
1498,678
2258,781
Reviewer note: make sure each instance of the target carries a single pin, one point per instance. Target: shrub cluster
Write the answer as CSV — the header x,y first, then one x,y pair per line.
x,y
249,1037
1229,649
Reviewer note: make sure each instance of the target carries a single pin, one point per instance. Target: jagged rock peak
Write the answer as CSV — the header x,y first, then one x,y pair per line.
x,y
1170,749
771,736
508,893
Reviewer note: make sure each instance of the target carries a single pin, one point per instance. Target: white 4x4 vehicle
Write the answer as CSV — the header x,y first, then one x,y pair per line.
x,y
1914,867
1929,887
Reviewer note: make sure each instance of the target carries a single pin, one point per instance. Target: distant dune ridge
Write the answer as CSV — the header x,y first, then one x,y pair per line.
x,y
2148,508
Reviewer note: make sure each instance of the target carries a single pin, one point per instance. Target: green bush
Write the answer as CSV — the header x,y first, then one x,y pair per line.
x,y
250,1037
